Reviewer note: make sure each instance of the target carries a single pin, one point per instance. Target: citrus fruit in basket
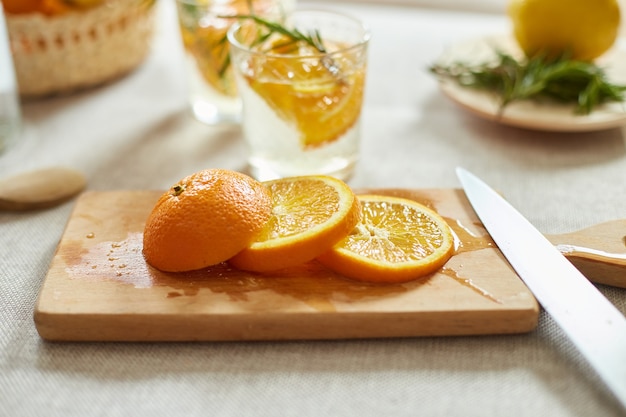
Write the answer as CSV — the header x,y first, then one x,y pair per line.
x,y
21,6
83,3
205,219
397,240
47,7
309,215
585,29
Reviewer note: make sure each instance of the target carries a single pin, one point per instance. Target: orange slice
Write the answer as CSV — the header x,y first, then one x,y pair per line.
x,y
309,215
397,240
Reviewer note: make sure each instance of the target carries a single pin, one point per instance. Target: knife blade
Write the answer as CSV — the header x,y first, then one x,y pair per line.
x,y
595,326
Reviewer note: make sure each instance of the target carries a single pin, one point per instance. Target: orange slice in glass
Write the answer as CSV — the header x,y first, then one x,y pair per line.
x,y
320,96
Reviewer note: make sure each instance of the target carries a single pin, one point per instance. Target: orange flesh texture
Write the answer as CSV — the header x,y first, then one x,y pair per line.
x,y
304,224
391,245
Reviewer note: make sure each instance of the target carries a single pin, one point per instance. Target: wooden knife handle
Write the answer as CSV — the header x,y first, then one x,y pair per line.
x,y
599,251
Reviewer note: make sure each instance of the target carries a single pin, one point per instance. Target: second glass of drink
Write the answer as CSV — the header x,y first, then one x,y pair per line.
x,y
203,25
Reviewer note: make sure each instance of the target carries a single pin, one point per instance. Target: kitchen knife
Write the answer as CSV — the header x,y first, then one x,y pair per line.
x,y
595,326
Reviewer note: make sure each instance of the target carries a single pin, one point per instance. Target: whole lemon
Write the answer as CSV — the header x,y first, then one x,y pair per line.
x,y
585,29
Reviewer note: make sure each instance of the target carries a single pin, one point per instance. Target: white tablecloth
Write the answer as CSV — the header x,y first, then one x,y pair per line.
x,y
136,133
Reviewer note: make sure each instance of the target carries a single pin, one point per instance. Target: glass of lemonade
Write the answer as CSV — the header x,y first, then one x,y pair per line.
x,y
203,25
302,92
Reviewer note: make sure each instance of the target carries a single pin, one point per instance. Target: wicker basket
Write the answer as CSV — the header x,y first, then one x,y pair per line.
x,y
75,50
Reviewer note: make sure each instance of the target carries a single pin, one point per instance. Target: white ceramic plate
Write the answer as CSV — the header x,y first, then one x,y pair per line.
x,y
531,114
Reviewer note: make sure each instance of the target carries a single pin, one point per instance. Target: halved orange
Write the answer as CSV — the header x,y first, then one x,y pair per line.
x,y
309,215
397,240
204,219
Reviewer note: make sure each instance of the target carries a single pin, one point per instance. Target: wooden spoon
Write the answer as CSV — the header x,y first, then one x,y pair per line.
x,y
40,189
599,251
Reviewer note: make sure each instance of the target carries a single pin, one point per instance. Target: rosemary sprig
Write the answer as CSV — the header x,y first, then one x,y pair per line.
x,y
293,37
561,79
313,39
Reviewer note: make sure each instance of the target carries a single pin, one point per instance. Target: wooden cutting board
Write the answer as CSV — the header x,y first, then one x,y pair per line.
x,y
99,287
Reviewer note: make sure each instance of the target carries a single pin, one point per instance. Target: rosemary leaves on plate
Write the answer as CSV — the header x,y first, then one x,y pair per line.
x,y
565,80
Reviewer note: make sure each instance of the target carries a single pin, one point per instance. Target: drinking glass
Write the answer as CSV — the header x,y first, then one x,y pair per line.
x,y
203,25
10,115
302,99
